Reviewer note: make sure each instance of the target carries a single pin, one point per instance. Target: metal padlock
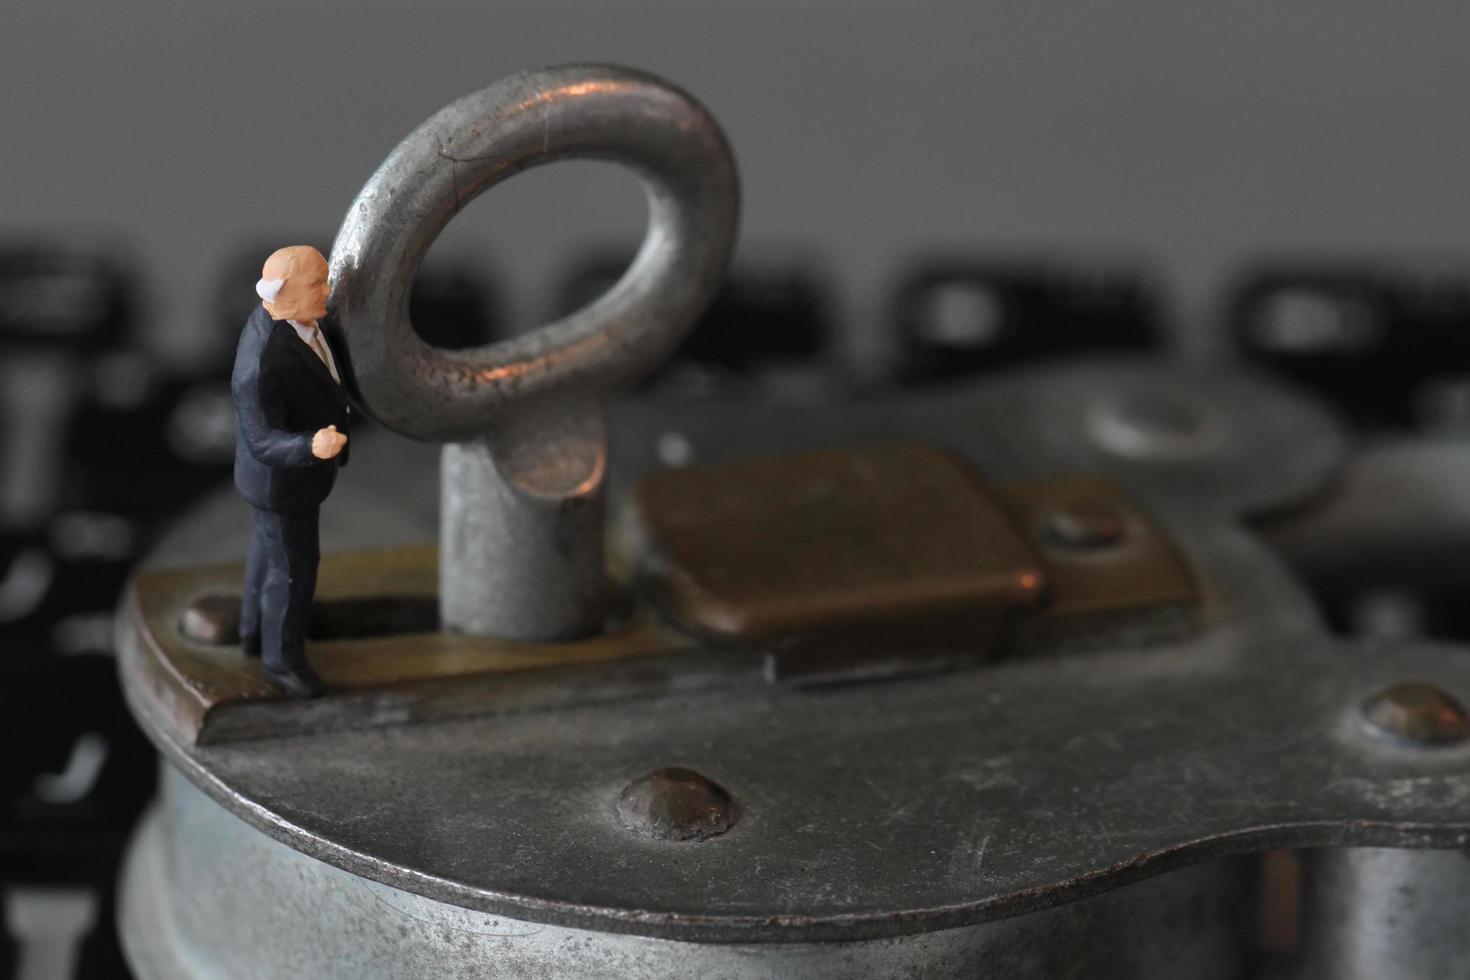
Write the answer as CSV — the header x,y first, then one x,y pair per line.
x,y
989,681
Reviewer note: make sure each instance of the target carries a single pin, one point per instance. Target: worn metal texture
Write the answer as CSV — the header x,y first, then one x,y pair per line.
x,y
376,642
1373,913
205,896
898,808
524,476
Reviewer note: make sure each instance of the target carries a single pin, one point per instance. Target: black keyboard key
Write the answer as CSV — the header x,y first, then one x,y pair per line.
x,y
146,444
71,797
62,297
58,585
954,319
1388,346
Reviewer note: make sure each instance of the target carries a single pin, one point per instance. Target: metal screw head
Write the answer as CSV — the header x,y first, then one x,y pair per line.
x,y
1418,713
1084,525
676,804
212,619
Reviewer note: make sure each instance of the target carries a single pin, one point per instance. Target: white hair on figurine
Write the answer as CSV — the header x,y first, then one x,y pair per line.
x,y
269,289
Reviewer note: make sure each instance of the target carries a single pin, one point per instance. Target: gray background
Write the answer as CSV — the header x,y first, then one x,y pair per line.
x,y
1192,136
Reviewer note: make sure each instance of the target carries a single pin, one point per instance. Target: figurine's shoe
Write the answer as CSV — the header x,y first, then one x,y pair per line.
x,y
250,645
299,681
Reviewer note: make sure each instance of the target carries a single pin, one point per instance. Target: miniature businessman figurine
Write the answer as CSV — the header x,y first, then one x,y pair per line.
x,y
292,413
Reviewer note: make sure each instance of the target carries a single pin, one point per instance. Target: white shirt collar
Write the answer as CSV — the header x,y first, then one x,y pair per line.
x,y
309,334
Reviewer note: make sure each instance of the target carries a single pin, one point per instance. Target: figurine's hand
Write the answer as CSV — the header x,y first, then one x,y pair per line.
x,y
327,443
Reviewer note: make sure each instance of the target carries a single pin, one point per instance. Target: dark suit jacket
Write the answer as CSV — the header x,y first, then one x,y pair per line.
x,y
283,395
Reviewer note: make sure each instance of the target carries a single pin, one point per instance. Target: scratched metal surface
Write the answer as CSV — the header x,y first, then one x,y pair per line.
x,y
195,867
886,809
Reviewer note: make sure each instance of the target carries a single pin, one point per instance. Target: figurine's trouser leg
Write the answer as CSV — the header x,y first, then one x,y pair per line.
x,y
288,542
254,580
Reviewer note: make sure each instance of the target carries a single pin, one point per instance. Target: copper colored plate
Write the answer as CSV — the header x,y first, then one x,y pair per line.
x,y
782,547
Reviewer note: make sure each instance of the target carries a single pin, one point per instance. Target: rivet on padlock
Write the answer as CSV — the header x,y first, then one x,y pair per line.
x,y
524,463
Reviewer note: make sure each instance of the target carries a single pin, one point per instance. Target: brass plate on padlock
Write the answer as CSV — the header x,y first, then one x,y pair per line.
x,y
409,671
888,540
867,562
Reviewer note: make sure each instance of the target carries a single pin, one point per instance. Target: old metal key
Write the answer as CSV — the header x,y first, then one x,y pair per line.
x,y
522,420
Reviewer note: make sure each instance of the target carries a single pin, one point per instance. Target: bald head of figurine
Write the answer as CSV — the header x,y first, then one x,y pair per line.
x,y
293,284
